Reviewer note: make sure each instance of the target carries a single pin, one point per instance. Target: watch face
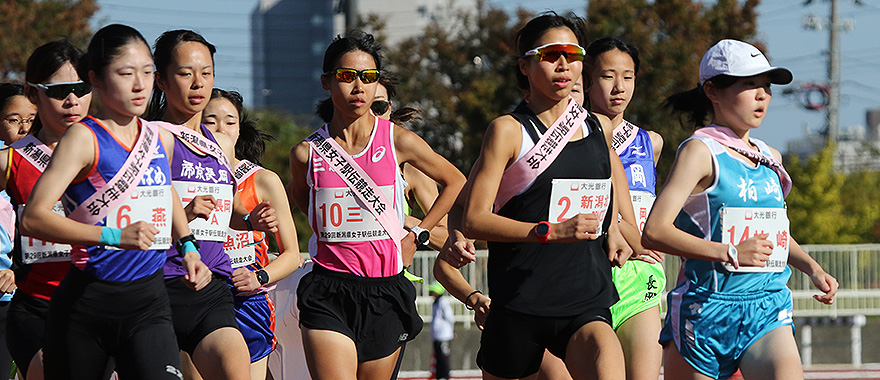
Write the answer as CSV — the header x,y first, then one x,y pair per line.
x,y
262,277
424,237
542,229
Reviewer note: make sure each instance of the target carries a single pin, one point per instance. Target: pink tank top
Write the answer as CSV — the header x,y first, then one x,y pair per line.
x,y
347,237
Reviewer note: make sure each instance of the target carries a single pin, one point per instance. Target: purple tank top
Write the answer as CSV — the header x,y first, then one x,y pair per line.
x,y
192,174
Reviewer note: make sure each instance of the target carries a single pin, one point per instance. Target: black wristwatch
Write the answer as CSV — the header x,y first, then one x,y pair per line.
x,y
262,276
422,235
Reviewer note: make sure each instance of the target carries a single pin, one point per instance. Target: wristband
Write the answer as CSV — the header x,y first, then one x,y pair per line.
x,y
186,244
111,236
733,255
247,222
469,307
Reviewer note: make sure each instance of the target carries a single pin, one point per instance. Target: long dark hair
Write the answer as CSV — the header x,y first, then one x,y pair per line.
x,y
251,142
694,105
45,61
353,40
524,39
163,52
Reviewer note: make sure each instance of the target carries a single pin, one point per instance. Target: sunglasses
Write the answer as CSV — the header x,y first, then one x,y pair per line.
x,y
379,107
552,52
349,75
61,90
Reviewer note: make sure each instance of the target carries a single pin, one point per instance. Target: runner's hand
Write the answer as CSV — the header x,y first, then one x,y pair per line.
x,y
481,310
827,284
244,280
198,275
138,236
7,281
458,251
200,207
408,248
754,251
579,227
263,218
618,249
649,256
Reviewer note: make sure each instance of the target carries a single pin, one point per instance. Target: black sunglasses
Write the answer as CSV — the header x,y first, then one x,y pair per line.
x,y
379,107
61,90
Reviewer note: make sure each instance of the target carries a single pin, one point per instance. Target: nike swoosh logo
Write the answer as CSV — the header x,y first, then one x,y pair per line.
x,y
755,55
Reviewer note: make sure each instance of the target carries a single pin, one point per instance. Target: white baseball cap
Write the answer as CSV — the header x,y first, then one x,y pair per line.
x,y
739,59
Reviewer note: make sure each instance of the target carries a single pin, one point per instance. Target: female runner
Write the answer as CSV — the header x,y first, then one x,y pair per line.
x,y
731,308
356,307
111,172
254,274
550,282
62,100
639,282
201,172
17,113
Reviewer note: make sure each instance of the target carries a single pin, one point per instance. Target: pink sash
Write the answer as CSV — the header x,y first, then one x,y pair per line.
x,y
623,136
726,137
109,196
195,138
526,169
360,183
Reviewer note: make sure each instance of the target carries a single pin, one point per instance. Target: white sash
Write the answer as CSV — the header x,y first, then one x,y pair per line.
x,y
34,151
363,187
526,169
240,244
195,138
623,136
118,188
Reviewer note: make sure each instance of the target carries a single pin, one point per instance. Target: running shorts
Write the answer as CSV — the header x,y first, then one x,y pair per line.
x,y
639,285
256,321
713,330
513,343
197,314
377,313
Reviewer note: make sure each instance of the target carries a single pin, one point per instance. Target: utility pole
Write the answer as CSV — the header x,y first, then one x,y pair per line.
x,y
832,111
833,114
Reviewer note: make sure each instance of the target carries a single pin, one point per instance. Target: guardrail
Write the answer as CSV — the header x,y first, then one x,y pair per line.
x,y
856,267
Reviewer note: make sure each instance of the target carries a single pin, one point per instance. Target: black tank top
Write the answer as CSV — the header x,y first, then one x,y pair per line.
x,y
557,280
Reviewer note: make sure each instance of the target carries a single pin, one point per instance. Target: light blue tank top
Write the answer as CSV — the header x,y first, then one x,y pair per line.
x,y
737,184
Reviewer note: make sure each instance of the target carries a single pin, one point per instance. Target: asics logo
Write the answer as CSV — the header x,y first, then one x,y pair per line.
x,y
380,152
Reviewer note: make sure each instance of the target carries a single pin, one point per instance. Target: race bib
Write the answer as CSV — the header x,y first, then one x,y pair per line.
x,y
570,197
240,248
642,202
37,251
215,228
151,204
340,218
741,223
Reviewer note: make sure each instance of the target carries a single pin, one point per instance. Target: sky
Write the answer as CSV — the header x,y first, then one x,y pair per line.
x,y
226,23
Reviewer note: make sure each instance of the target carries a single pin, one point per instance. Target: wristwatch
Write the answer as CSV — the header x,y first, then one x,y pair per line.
x,y
422,235
542,230
262,276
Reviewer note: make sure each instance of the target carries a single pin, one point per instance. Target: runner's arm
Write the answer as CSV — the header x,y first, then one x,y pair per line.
x,y
72,158
692,169
270,188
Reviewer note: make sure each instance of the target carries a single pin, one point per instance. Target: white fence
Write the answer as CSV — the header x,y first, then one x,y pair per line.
x,y
856,267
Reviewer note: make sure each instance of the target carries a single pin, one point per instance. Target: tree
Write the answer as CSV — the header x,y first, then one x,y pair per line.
x,y
27,24
460,74
815,209
288,131
672,36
